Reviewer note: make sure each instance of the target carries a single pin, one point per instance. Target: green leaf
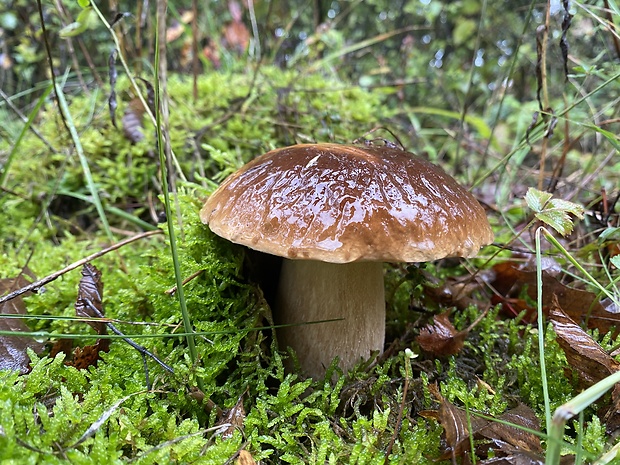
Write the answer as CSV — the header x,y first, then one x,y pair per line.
x,y
610,233
463,31
536,199
81,24
553,212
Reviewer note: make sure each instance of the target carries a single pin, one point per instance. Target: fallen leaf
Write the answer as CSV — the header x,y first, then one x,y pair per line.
x,y
89,305
13,349
588,359
177,28
504,440
88,355
245,458
232,419
236,34
441,338
89,299
580,305
583,353
132,121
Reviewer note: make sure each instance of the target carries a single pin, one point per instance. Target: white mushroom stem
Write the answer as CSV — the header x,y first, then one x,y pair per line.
x,y
311,291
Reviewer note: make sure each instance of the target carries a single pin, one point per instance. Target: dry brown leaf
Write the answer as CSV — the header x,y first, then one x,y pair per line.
x,y
132,121
245,458
89,299
582,352
89,305
578,304
236,34
236,37
233,419
509,444
13,349
441,338
89,355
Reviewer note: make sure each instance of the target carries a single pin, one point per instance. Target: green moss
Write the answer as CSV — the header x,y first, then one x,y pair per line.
x,y
289,419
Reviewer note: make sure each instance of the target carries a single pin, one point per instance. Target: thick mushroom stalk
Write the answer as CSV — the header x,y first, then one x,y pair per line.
x,y
312,291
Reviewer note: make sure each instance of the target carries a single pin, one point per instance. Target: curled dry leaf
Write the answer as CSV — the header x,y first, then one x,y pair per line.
x,y
441,338
89,299
588,359
232,419
582,352
132,121
506,442
13,349
89,305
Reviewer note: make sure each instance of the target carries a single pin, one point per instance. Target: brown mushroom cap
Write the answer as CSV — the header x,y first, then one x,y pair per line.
x,y
346,203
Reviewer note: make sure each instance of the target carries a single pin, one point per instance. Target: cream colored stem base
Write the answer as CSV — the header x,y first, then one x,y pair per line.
x,y
313,291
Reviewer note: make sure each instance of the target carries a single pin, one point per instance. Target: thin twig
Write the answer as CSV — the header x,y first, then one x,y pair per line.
x,y
612,28
173,289
34,287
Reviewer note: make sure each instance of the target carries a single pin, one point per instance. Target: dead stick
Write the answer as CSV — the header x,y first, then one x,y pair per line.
x,y
34,287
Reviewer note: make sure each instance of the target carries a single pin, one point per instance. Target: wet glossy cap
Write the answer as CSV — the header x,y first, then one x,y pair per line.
x,y
345,203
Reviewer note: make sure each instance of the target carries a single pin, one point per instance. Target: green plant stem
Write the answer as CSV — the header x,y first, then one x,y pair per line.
x,y
571,408
187,325
577,265
541,330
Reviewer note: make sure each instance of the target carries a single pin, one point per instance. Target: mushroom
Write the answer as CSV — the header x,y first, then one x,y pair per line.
x,y
336,213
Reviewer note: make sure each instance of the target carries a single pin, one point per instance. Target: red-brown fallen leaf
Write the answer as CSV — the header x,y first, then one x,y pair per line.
x,y
588,359
89,355
583,354
89,303
232,419
578,304
441,338
13,349
509,444
210,52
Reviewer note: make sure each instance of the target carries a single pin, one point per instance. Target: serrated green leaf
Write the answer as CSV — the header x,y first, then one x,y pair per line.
x,y
566,206
553,212
536,199
558,220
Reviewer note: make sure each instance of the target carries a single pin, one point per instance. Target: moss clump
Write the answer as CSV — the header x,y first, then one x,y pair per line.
x,y
231,122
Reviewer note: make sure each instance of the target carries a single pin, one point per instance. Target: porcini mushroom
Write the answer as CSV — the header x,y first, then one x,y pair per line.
x,y
336,213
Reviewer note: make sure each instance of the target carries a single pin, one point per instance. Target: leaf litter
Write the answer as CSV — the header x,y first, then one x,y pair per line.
x,y
14,349
511,438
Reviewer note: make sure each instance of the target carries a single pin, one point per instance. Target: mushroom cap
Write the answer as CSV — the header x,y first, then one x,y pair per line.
x,y
345,203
